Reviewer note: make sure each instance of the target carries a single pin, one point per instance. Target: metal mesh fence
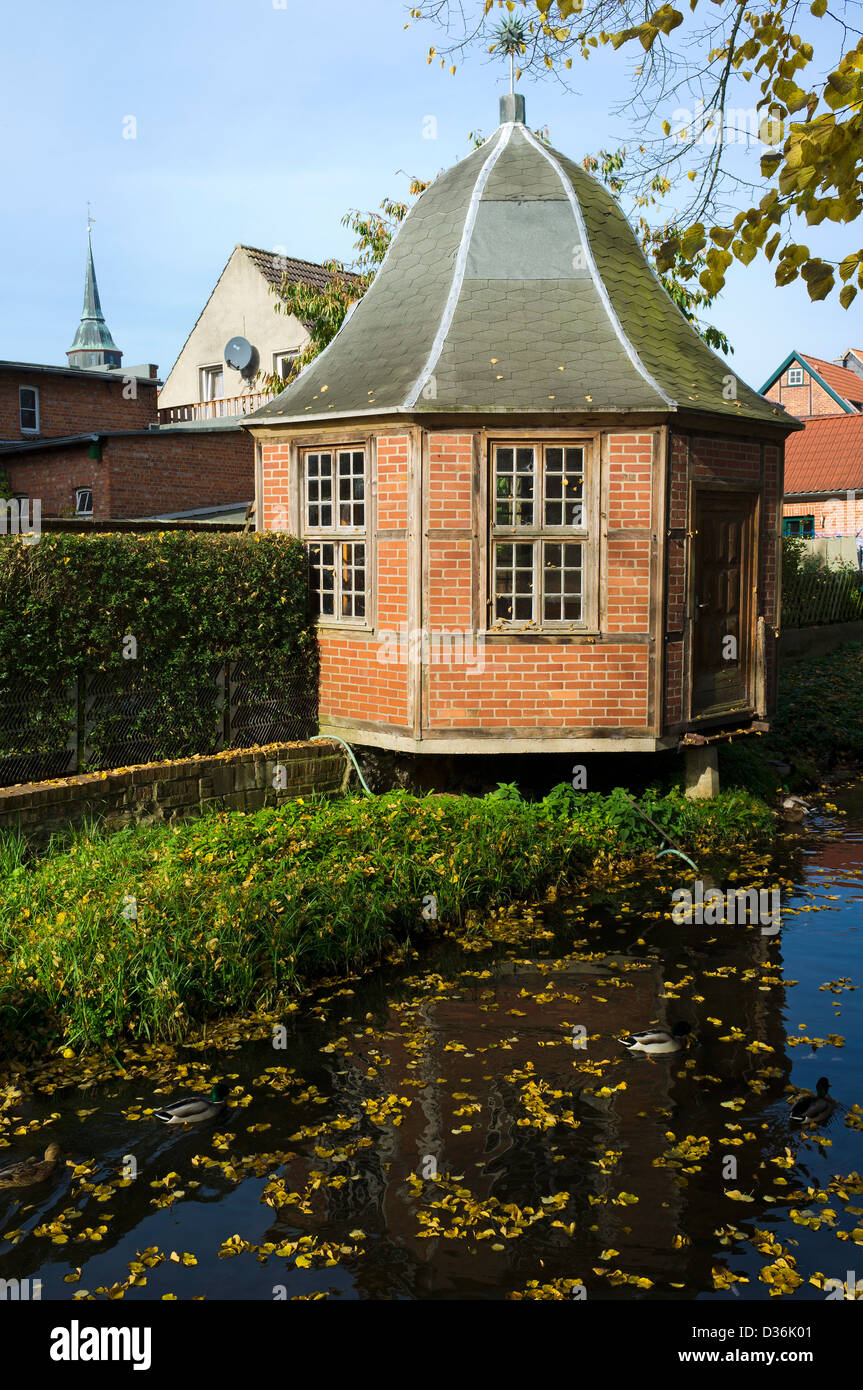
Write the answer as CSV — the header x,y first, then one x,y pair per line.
x,y
120,718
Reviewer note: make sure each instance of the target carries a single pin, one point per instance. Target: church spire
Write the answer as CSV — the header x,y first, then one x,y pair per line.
x,y
93,345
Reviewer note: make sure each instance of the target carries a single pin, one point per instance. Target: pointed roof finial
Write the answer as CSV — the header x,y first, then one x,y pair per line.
x,y
93,345
510,37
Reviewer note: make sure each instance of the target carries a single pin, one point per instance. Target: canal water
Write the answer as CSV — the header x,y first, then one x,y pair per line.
x,y
465,1124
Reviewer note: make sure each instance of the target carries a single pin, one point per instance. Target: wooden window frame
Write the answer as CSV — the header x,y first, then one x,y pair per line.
x,y
538,535
338,533
802,380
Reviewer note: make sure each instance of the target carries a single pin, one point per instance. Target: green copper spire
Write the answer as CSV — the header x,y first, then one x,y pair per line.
x,y
93,345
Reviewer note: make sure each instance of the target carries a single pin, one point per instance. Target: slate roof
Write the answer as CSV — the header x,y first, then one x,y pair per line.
x,y
515,283
825,457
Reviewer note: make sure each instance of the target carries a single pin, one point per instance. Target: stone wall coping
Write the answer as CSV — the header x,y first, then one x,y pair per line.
x,y
117,779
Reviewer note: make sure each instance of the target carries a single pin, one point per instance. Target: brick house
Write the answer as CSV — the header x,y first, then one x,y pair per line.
x,y
824,479
808,386
537,505
41,402
824,463
85,443
134,474
84,440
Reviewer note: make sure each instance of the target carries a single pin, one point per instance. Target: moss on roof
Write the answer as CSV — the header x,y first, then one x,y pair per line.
x,y
515,283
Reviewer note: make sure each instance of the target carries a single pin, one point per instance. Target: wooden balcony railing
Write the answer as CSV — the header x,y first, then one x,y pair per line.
x,y
225,408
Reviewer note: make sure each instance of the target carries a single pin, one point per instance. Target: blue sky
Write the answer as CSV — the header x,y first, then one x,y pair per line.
x,y
265,125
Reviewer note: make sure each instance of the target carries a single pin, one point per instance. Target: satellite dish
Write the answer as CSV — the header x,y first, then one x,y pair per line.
x,y
240,355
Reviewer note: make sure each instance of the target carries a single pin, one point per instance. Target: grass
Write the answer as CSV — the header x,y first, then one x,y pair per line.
x,y
818,723
150,932
821,706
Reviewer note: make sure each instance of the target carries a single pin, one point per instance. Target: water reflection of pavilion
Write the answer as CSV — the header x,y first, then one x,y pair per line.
x,y
472,1053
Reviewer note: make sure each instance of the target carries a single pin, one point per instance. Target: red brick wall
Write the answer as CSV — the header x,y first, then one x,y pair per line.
x,y
275,481
525,684
356,682
630,477
808,399
528,686
535,685
140,475
75,404
834,516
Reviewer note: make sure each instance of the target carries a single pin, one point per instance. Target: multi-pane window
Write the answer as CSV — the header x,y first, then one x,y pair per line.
x,y
798,526
795,376
28,408
334,513
539,538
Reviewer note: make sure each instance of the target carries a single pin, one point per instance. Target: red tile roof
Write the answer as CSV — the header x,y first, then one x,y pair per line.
x,y
827,456
846,384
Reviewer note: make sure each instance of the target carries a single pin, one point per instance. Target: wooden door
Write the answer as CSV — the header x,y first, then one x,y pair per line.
x,y
722,608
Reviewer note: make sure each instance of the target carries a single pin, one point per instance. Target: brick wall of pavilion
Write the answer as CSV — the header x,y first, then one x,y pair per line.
x,y
362,678
528,685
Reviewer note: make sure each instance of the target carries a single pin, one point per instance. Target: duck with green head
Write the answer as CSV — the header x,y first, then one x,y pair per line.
x,y
193,1109
817,1109
658,1041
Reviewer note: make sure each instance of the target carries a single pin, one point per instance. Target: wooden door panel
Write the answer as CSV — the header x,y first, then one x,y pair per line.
x,y
723,565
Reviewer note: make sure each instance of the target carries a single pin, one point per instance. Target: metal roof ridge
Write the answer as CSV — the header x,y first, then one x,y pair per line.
x,y
598,282
503,133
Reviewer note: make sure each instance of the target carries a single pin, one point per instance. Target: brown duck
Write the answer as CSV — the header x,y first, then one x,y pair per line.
x,y
32,1171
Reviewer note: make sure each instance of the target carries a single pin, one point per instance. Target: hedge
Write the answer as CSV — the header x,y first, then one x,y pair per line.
x,y
190,601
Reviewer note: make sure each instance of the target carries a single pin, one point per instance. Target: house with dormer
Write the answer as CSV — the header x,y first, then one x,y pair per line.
x,y
824,462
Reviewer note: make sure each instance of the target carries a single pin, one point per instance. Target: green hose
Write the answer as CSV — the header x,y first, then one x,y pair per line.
x,y
327,738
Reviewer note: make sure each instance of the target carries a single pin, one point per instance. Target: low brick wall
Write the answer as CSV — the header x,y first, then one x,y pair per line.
x,y
242,779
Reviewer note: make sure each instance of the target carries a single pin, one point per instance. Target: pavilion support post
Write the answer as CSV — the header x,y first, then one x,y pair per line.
x,y
701,771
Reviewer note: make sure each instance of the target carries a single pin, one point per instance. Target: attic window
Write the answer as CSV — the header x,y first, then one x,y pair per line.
x,y
542,551
334,514
795,376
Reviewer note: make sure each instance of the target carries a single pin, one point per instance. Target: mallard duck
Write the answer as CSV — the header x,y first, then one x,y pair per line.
x,y
31,1171
794,808
817,1109
192,1109
656,1041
